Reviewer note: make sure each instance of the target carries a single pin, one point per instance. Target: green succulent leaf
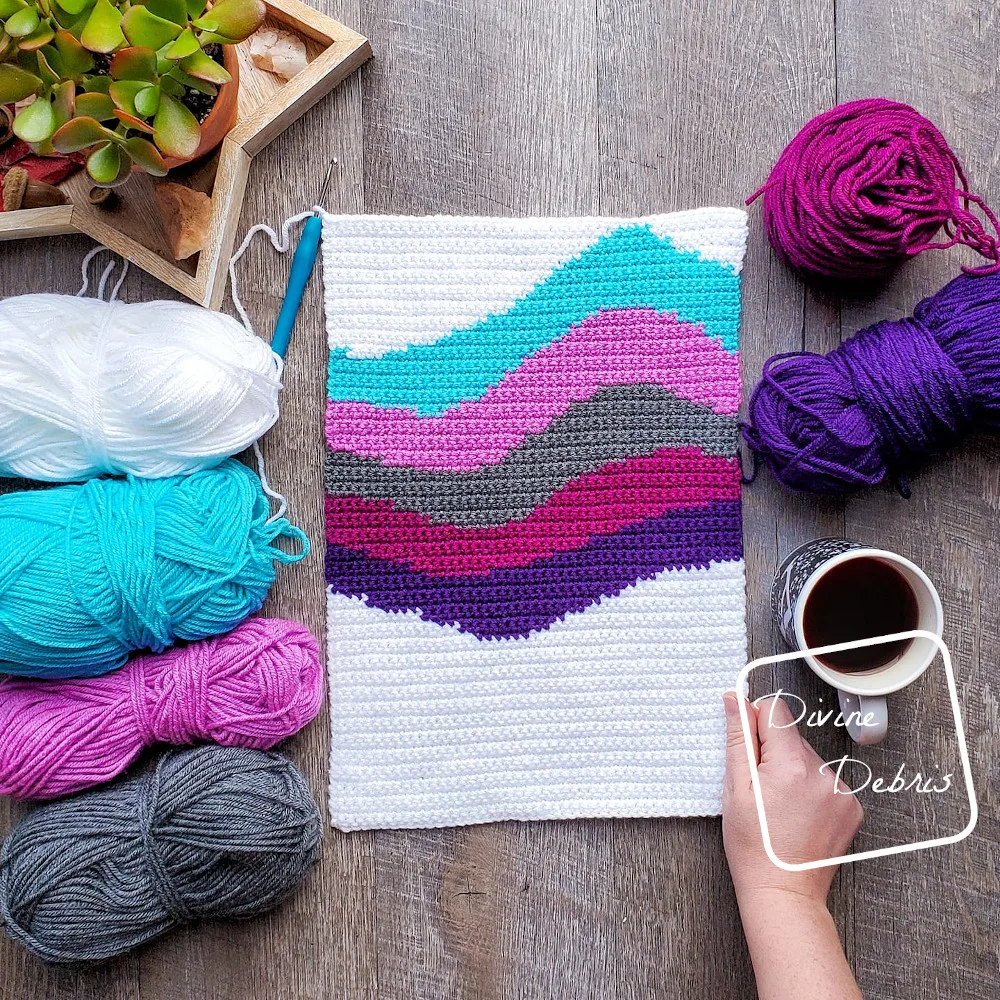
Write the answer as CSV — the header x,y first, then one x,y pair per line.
x,y
204,67
234,19
42,35
22,22
196,8
169,10
133,121
36,122
123,92
102,32
9,7
192,83
135,63
186,44
177,132
171,86
146,155
16,83
64,102
144,28
75,7
48,64
44,7
95,105
106,164
147,102
79,133
76,60
99,84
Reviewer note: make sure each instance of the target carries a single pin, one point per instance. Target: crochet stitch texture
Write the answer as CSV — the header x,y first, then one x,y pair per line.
x,y
534,542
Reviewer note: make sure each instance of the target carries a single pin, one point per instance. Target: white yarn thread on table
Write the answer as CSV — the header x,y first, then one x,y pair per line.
x,y
91,387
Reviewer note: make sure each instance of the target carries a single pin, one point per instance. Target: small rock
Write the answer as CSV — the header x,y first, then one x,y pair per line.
x,y
278,52
186,214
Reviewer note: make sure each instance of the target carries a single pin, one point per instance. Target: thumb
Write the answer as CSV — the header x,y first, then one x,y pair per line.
x,y
737,764
777,728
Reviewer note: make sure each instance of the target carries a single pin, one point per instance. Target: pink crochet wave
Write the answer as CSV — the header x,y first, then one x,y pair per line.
x,y
251,688
597,503
613,347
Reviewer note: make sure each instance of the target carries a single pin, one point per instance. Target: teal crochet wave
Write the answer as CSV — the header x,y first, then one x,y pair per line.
x,y
89,573
631,267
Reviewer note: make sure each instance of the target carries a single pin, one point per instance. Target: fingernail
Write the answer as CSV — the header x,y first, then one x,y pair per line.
x,y
732,708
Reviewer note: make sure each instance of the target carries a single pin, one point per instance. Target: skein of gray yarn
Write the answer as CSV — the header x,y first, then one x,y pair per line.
x,y
211,832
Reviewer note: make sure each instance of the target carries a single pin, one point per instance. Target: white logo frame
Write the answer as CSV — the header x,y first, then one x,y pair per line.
x,y
963,749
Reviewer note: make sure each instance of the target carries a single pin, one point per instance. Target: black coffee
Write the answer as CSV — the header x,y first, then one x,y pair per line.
x,y
859,599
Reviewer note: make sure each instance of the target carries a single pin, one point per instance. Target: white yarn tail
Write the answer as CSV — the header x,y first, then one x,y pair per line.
x,y
85,271
282,244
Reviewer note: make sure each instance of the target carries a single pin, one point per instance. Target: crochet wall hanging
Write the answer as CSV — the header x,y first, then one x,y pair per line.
x,y
534,560
181,228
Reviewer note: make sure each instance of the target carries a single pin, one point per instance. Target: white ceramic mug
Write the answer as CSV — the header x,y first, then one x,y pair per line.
x,y
862,693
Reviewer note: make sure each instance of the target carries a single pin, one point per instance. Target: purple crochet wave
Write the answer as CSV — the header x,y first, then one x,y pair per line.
x,y
510,602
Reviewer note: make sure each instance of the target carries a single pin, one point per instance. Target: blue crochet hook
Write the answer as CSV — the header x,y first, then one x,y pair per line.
x,y
303,262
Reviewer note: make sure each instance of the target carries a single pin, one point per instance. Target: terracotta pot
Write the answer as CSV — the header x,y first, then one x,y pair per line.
x,y
222,117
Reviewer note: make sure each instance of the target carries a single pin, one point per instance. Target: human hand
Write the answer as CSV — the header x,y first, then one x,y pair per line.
x,y
810,814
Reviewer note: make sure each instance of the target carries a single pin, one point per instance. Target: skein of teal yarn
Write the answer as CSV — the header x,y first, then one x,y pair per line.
x,y
89,573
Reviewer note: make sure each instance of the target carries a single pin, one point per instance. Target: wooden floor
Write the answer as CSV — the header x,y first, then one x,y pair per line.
x,y
614,107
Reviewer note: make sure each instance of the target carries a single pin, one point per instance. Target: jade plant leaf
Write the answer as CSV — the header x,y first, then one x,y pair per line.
x,y
133,121
64,103
9,7
169,10
36,122
49,66
79,133
204,67
102,32
171,86
95,105
196,8
106,164
234,19
146,155
22,22
123,92
76,60
184,45
147,102
135,63
16,84
144,28
191,82
177,132
75,6
42,35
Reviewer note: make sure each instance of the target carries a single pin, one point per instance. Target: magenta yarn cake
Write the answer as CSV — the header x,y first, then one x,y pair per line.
x,y
534,546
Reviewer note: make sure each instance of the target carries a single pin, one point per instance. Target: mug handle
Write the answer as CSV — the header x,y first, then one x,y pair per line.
x,y
858,707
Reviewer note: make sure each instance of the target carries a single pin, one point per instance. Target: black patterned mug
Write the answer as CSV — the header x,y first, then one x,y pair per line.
x,y
833,590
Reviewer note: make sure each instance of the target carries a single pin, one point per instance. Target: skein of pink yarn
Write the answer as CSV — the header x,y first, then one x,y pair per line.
x,y
251,688
866,185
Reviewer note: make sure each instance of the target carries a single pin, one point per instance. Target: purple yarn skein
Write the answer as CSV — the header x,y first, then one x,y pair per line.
x,y
885,399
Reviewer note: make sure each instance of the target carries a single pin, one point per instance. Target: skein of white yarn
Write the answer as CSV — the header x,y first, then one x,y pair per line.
x,y
157,389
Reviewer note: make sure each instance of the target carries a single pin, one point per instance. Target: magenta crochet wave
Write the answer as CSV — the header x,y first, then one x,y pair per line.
x,y
252,688
866,185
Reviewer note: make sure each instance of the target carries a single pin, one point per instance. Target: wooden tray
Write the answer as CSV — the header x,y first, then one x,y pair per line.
x,y
267,106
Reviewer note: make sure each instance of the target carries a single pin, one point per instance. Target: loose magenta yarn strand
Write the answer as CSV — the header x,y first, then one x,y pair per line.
x,y
887,398
89,573
866,185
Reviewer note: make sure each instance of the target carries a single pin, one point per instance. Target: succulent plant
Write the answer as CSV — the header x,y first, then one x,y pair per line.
x,y
111,77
